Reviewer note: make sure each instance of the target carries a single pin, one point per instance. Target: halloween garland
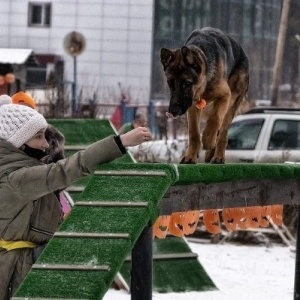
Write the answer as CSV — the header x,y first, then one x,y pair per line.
x,y
240,218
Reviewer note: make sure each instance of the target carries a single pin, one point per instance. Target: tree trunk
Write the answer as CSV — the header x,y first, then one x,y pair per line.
x,y
279,51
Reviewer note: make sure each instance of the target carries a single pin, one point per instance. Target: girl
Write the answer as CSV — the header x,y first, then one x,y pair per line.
x,y
29,210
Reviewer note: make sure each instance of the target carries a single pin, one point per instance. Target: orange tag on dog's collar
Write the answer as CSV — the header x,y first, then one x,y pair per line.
x,y
201,103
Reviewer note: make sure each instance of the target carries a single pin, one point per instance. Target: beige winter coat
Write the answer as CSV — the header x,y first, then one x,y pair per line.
x,y
29,210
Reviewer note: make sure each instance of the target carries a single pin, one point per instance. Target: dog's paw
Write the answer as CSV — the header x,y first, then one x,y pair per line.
x,y
209,154
217,160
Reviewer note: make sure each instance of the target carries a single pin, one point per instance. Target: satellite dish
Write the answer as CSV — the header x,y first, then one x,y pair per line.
x,y
74,43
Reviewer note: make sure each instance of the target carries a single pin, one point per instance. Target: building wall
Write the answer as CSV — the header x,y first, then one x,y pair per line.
x,y
118,37
253,23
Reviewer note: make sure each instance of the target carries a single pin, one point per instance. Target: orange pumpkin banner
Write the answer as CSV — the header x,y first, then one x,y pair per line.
x,y
176,225
191,220
276,214
253,215
242,221
161,226
211,221
265,216
235,218
229,219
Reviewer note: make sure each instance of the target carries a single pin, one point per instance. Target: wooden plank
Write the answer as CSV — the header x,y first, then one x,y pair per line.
x,y
131,173
112,204
241,193
171,256
281,234
91,235
61,267
75,188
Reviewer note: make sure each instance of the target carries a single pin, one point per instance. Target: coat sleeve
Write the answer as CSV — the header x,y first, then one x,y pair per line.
x,y
35,182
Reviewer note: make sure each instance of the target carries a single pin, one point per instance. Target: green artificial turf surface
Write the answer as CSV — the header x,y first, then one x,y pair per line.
x,y
128,187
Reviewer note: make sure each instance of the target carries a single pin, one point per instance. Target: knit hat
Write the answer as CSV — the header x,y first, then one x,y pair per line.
x,y
19,123
23,98
5,99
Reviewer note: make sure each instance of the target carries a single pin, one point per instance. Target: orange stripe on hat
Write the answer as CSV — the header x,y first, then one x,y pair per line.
x,y
23,98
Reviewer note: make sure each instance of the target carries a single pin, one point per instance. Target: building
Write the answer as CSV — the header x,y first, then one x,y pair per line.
x,y
122,39
254,23
118,38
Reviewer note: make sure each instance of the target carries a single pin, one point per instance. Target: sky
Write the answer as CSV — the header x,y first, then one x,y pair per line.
x,y
247,272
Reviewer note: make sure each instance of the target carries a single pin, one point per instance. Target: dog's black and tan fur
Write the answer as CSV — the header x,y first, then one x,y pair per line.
x,y
210,66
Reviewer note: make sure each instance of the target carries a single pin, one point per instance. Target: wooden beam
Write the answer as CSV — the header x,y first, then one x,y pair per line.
x,y
241,193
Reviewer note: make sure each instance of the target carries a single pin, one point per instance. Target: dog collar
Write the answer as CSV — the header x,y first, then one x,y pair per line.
x,y
201,103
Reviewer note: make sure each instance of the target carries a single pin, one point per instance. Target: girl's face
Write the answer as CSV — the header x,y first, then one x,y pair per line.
x,y
38,141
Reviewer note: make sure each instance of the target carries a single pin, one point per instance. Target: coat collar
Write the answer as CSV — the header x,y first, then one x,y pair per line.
x,y
12,158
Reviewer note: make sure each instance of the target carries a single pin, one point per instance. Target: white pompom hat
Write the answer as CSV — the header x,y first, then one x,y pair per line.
x,y
5,99
19,123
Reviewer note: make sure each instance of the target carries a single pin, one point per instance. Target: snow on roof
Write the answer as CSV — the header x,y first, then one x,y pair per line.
x,y
14,55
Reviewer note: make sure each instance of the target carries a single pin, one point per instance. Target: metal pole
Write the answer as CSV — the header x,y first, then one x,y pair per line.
x,y
74,86
141,266
297,265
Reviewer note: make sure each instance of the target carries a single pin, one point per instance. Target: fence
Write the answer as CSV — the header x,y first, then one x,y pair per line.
x,y
161,127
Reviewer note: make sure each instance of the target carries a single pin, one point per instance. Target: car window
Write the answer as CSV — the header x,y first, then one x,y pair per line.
x,y
285,135
243,135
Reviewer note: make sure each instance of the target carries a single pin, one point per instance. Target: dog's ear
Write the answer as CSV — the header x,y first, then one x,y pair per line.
x,y
166,56
191,57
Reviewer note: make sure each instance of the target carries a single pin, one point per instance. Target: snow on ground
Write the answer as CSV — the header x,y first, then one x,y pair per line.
x,y
240,272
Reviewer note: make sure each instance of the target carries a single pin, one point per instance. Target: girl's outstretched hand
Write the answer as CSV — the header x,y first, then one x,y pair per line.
x,y
135,137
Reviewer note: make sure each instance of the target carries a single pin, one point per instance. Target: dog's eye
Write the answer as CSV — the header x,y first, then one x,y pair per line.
x,y
187,84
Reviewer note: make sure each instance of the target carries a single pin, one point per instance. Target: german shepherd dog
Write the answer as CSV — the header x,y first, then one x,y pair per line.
x,y
210,66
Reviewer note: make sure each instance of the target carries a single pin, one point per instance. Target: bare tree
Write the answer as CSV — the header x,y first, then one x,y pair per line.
x,y
279,51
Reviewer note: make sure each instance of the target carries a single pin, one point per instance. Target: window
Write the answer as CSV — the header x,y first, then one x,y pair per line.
x,y
243,135
285,135
36,77
39,14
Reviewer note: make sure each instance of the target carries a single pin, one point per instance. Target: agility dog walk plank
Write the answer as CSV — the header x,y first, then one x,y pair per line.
x,y
86,270
121,199
167,271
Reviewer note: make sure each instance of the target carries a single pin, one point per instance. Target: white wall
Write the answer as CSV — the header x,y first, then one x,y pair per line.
x,y
118,41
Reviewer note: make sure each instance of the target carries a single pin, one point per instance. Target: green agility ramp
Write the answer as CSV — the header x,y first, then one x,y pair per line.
x,y
173,259
120,199
92,244
175,268
81,132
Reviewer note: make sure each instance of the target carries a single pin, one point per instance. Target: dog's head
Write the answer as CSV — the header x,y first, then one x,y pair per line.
x,y
185,72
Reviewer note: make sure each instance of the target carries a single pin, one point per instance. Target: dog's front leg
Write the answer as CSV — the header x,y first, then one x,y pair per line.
x,y
192,152
210,133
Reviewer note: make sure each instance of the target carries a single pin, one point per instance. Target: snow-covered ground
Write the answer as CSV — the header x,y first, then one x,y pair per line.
x,y
240,273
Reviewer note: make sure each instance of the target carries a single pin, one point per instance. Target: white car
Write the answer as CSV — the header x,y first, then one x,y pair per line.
x,y
262,135
159,151
265,135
